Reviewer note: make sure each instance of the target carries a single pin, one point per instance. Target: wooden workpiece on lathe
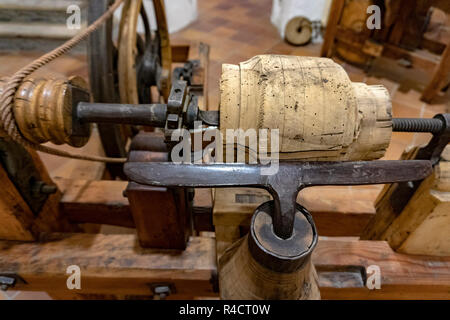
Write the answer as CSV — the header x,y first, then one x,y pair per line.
x,y
320,113
43,109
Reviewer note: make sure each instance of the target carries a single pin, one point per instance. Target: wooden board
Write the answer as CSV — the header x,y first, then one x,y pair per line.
x,y
110,264
115,264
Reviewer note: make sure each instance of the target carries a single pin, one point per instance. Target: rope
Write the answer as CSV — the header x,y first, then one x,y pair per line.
x,y
7,120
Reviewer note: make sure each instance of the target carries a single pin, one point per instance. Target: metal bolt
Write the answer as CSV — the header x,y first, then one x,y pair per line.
x,y
48,189
40,187
161,292
6,283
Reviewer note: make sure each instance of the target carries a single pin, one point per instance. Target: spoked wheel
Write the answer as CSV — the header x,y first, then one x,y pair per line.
x,y
124,72
143,61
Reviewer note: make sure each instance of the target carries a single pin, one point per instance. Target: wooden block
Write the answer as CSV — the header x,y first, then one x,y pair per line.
x,y
110,264
422,227
402,276
160,215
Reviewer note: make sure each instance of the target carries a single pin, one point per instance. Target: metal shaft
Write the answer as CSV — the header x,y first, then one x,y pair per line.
x,y
433,125
153,115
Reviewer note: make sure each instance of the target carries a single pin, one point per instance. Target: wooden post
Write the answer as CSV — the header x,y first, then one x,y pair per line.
x,y
332,25
440,76
424,224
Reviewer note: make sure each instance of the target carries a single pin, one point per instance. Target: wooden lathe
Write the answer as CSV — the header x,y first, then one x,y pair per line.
x,y
221,229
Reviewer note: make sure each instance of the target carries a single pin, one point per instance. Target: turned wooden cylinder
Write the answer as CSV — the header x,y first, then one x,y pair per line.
x,y
319,112
262,266
44,109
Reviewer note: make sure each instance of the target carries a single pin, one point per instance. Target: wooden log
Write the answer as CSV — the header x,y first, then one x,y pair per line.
x,y
402,276
294,95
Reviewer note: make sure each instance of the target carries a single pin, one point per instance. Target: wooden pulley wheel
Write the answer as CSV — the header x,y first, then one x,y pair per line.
x,y
136,54
298,31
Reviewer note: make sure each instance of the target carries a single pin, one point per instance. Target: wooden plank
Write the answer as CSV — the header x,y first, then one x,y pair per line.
x,y
333,19
110,264
101,202
116,265
402,276
418,59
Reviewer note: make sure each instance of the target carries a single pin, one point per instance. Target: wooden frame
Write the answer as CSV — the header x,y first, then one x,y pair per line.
x,y
115,266
388,46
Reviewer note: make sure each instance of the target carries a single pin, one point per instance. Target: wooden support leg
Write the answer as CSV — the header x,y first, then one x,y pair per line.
x,y
332,25
440,76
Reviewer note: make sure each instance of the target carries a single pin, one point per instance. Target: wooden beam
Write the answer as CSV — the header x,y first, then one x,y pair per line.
x,y
333,20
402,276
100,202
440,77
116,265
110,264
339,213
418,60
